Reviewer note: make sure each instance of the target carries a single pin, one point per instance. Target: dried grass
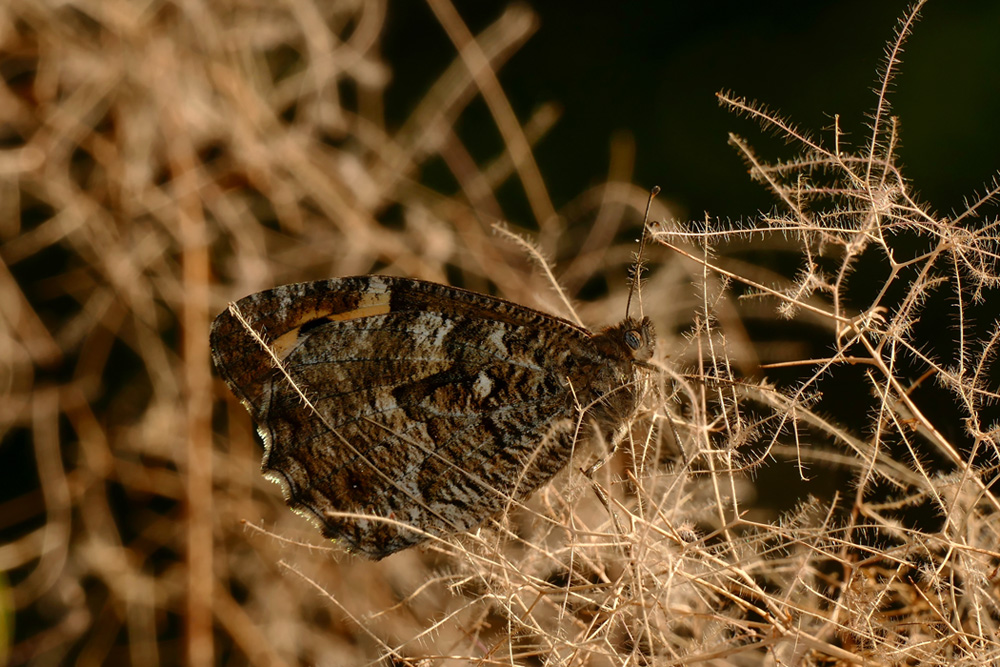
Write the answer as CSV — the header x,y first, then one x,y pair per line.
x,y
160,161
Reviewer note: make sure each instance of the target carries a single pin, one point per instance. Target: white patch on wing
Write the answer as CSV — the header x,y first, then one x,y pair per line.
x,y
483,385
440,328
385,403
377,284
496,340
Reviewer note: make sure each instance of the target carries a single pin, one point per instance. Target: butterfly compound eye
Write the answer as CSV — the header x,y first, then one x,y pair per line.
x,y
632,339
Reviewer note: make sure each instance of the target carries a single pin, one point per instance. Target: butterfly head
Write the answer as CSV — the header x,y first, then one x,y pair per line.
x,y
630,340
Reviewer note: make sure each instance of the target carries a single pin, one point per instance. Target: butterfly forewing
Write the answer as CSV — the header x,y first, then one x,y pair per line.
x,y
432,407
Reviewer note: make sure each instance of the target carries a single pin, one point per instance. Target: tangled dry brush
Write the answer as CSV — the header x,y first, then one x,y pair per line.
x,y
162,159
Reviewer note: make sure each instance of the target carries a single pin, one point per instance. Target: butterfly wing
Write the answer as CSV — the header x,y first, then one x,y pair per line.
x,y
392,409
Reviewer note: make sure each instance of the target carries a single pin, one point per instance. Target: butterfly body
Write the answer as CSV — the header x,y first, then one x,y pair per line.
x,y
393,409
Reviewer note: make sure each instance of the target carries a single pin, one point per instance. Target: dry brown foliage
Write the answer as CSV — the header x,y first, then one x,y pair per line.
x,y
161,160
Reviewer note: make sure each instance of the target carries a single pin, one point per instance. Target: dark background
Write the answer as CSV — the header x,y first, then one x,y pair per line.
x,y
652,69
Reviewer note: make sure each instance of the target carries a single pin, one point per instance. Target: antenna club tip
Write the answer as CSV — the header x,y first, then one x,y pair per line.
x,y
655,190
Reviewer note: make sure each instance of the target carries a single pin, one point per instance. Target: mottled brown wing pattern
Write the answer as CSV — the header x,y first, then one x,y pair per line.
x,y
429,406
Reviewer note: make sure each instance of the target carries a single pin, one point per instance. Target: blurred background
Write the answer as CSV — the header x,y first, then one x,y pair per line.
x,y
160,159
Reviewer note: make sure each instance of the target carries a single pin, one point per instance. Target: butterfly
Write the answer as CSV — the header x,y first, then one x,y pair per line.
x,y
394,409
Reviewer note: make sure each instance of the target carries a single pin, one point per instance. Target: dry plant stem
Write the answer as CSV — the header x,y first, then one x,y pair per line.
x,y
715,268
721,499
195,320
356,622
540,261
30,330
891,64
600,234
503,114
244,631
53,543
450,93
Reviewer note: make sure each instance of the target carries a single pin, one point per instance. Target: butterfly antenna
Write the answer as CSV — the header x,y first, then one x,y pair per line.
x,y
655,190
